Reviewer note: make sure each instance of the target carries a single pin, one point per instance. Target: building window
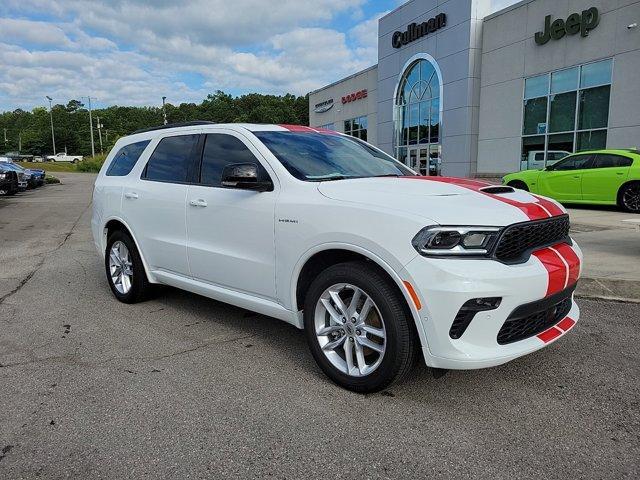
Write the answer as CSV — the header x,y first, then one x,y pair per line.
x,y
564,112
356,127
417,118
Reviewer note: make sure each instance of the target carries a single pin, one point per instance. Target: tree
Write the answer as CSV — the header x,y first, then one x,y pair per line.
x,y
71,122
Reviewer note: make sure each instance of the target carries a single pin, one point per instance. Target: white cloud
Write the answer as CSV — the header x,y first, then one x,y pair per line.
x,y
134,51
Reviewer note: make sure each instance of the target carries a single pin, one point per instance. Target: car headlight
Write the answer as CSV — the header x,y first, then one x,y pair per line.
x,y
440,241
3,176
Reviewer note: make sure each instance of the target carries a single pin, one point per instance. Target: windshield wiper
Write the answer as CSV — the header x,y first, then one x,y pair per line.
x,y
387,175
329,178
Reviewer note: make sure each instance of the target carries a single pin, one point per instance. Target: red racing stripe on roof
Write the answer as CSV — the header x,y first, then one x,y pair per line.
x,y
297,128
305,129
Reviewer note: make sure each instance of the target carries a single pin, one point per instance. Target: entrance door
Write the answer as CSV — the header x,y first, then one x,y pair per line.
x,y
420,161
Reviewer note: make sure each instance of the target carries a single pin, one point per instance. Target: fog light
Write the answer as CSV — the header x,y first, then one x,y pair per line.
x,y
468,311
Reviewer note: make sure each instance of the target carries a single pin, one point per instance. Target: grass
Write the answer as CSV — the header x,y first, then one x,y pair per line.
x,y
50,166
89,164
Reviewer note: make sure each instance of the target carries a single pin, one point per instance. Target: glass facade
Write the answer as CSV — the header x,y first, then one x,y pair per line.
x,y
417,118
565,111
356,127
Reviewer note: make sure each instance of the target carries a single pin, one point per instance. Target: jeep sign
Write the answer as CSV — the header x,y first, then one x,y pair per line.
x,y
574,23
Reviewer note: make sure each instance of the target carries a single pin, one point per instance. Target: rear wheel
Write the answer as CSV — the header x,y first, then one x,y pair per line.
x,y
357,327
518,184
124,269
629,197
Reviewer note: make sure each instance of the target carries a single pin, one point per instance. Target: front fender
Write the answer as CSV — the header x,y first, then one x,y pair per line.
x,y
391,266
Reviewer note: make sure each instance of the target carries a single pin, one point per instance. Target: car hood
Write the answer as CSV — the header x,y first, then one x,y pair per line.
x,y
440,200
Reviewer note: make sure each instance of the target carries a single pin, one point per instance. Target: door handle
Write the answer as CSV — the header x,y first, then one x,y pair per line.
x,y
132,195
198,203
619,173
576,176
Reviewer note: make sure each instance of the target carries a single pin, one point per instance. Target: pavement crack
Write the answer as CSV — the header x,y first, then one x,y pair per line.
x,y
30,275
5,450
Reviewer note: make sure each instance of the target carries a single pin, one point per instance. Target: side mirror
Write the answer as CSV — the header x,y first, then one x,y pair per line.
x,y
244,176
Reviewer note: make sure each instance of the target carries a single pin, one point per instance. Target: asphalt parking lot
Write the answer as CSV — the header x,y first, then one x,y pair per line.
x,y
186,387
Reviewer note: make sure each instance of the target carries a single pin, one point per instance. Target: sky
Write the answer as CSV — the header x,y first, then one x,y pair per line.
x,y
133,52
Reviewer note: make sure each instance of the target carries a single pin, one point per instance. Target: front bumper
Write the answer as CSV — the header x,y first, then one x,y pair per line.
x,y
444,285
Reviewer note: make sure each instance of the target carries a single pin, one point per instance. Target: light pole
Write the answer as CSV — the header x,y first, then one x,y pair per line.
x,y
100,134
164,110
53,137
93,148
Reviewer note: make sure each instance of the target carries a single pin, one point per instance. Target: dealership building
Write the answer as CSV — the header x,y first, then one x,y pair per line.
x,y
464,92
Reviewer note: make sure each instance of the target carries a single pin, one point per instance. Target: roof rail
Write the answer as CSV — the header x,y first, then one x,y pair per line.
x,y
174,125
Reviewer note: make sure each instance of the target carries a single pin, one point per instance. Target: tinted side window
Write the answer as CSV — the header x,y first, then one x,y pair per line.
x,y
609,161
576,162
171,159
126,158
221,150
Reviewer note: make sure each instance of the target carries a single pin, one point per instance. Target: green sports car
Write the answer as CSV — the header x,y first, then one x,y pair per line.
x,y
602,177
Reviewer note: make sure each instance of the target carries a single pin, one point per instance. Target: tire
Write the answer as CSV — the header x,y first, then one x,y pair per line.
x,y
387,310
139,287
629,197
518,184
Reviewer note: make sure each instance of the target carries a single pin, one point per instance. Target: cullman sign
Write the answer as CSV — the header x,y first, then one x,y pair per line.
x,y
418,30
323,106
575,23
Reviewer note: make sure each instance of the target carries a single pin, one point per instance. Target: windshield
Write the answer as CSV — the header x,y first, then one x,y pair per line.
x,y
315,157
15,167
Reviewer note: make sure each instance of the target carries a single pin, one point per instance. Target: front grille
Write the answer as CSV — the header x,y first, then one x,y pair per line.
x,y
517,241
535,317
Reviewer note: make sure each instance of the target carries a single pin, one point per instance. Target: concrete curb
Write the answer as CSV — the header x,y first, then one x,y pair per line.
x,y
609,289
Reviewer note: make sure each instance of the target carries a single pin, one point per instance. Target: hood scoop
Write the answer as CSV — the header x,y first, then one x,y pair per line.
x,y
497,189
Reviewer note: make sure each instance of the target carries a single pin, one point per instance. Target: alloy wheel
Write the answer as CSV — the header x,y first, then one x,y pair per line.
x,y
631,198
120,267
350,330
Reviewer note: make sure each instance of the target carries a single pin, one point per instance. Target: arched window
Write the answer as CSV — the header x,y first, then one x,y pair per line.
x,y
417,117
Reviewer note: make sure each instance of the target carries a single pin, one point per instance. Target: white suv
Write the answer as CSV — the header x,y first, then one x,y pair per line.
x,y
334,236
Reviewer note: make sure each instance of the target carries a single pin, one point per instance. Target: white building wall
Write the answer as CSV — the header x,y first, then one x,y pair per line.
x,y
367,79
510,54
456,48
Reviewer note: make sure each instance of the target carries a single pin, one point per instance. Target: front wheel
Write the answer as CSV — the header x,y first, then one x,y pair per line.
x,y
629,197
358,328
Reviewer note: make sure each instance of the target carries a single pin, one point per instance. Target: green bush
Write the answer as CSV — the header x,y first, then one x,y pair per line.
x,y
51,179
91,164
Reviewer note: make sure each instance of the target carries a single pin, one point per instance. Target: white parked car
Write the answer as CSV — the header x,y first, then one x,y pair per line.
x,y
334,236
63,157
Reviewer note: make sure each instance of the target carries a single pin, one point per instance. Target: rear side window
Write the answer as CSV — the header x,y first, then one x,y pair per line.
x,y
576,162
126,158
172,159
610,161
221,150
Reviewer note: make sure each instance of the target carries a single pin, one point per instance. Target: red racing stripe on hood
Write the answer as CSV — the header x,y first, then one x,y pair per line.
x,y
533,210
